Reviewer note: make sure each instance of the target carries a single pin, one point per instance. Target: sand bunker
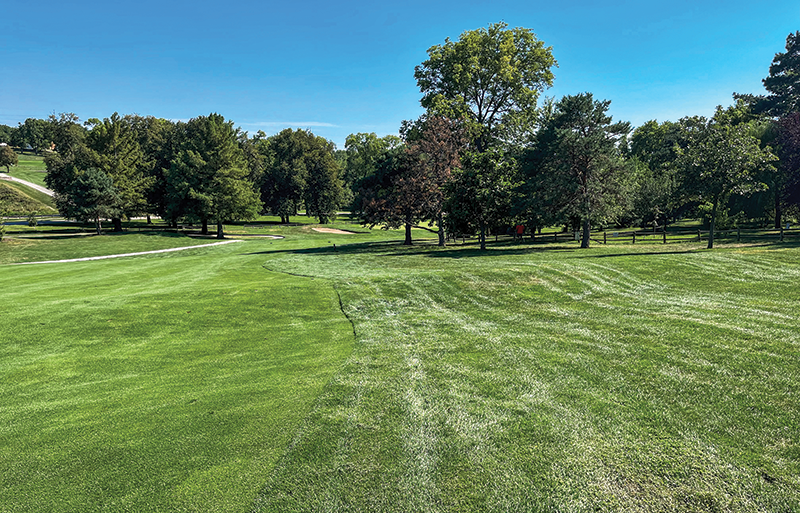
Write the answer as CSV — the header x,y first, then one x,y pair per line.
x,y
333,230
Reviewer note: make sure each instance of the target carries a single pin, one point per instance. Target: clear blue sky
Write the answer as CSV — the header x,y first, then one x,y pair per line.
x,y
343,67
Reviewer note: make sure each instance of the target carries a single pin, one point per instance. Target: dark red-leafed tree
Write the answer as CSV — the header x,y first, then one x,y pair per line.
x,y
435,154
789,153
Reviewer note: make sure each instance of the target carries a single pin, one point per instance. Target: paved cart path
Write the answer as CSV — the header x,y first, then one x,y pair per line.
x,y
128,254
4,176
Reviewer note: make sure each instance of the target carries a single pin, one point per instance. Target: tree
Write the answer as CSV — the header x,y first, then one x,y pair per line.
x,y
34,133
90,197
323,193
392,195
722,160
363,152
480,194
66,132
487,77
783,82
656,146
576,164
436,153
8,134
159,140
8,158
117,152
789,152
300,169
208,179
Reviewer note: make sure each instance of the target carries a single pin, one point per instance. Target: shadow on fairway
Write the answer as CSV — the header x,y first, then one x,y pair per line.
x,y
397,249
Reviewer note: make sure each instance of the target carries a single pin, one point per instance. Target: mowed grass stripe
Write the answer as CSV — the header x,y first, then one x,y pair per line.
x,y
157,383
522,380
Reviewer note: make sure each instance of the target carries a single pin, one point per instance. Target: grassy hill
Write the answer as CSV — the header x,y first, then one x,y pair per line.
x,y
17,199
289,375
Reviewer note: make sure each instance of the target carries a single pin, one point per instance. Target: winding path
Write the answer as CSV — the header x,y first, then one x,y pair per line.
x,y
45,190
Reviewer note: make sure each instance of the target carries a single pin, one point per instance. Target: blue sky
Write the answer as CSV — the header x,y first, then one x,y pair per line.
x,y
343,67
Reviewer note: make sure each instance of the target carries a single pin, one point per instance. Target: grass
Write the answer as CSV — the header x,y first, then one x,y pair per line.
x,y
16,198
30,168
58,245
157,383
525,378
544,379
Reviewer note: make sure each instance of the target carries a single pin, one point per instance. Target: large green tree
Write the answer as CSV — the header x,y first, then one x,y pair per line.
x,y
576,164
487,77
363,152
91,196
783,82
722,160
8,134
480,193
117,151
208,180
33,133
300,170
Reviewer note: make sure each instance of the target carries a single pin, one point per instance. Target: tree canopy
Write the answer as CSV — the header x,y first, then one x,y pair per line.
x,y
485,77
577,160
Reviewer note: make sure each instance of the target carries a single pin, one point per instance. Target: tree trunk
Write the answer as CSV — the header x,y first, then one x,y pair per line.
x,y
778,210
220,235
97,225
149,221
407,242
204,230
713,222
483,236
117,224
440,222
585,235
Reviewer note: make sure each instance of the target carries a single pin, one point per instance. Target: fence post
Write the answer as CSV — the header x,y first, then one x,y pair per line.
x,y
604,237
781,233
698,236
555,236
738,234
634,237
665,235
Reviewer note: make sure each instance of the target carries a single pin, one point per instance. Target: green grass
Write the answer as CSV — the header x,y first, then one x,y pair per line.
x,y
169,383
526,378
45,244
16,198
44,203
30,168
554,379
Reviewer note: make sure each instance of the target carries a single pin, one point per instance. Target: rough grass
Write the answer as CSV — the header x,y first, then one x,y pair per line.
x,y
17,199
554,379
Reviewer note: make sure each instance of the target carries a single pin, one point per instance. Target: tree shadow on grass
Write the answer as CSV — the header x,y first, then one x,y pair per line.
x,y
397,249
431,250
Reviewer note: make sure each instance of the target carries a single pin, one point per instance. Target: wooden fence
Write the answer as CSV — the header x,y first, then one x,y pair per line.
x,y
669,236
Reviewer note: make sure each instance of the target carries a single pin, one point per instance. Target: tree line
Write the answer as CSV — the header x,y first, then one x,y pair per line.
x,y
484,156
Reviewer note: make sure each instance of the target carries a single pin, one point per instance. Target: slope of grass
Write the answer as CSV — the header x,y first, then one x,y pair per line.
x,y
554,379
17,199
36,201
164,383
